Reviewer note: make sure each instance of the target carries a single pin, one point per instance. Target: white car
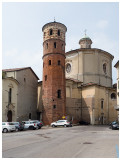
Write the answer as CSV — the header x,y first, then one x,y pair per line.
x,y
30,125
8,126
64,123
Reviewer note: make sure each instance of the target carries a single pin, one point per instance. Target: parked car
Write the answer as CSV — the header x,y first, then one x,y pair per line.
x,y
19,126
114,125
39,123
64,123
30,125
8,127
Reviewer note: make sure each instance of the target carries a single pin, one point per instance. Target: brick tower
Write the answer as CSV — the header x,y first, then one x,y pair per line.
x,y
54,94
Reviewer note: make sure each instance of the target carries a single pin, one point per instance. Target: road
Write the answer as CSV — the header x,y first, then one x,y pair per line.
x,y
71,142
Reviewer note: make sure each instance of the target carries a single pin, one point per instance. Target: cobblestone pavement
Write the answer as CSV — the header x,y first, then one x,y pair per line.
x,y
71,142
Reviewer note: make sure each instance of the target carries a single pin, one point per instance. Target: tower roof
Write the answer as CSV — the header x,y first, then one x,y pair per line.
x,y
52,23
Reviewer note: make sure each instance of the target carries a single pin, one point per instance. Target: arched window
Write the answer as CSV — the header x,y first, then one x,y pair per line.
x,y
45,77
104,68
49,62
10,95
113,96
58,32
58,62
59,93
46,45
51,31
54,44
102,102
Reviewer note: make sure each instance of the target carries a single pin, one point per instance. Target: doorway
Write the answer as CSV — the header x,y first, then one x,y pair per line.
x,y
9,115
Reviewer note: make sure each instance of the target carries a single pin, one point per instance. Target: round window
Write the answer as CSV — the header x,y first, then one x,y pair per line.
x,y
68,67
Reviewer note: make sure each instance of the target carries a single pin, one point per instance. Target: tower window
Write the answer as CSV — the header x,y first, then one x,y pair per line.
x,y
10,95
104,68
58,62
45,77
49,62
51,31
54,106
58,32
62,47
59,93
46,45
54,44
43,65
24,79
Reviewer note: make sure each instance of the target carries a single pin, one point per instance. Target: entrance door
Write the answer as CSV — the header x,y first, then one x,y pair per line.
x,y
9,115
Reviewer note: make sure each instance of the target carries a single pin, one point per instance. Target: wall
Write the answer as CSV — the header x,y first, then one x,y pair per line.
x,y
73,101
27,94
6,84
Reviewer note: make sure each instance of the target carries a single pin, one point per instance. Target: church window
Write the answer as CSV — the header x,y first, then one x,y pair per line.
x,y
10,95
68,67
49,62
58,62
54,44
104,68
102,102
113,96
58,32
59,93
51,31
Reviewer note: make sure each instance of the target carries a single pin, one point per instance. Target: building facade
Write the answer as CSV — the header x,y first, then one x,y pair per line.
x,y
117,106
19,94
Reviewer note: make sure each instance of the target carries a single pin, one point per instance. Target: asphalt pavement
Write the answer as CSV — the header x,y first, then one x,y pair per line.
x,y
70,142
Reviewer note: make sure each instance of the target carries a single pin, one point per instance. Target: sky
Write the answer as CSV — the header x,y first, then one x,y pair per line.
x,y
22,36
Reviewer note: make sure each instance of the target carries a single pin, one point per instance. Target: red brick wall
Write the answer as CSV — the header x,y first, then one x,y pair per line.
x,y
55,80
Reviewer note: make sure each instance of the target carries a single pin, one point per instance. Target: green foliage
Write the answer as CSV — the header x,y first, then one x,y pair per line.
x,y
3,74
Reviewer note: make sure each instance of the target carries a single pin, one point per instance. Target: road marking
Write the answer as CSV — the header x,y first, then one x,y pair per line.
x,y
117,151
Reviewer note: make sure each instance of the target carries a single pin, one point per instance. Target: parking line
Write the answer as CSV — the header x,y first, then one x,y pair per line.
x,y
117,151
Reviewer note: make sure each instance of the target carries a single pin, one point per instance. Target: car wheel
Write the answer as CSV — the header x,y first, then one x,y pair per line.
x,y
31,127
53,125
5,130
65,125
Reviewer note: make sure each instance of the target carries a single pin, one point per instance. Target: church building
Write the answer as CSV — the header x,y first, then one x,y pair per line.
x,y
86,75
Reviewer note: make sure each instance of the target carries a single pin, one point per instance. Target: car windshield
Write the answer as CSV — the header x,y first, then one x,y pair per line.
x,y
10,123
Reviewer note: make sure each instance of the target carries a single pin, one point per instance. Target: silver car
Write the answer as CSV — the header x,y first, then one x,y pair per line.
x,y
64,123
8,127
30,125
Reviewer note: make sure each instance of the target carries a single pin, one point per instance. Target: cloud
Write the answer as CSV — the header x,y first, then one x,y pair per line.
x,y
102,24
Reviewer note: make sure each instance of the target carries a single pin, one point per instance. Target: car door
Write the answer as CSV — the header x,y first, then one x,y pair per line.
x,y
58,123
